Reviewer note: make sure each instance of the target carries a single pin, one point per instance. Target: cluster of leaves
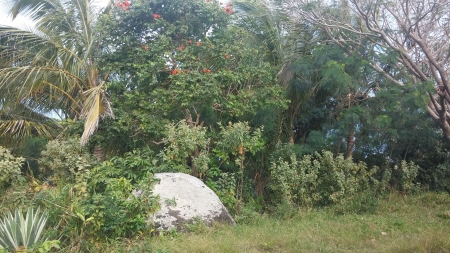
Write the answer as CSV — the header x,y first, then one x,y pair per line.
x,y
102,208
61,159
185,144
224,185
10,167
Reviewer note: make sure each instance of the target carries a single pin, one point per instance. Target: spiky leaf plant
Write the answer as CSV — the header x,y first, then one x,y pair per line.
x,y
20,231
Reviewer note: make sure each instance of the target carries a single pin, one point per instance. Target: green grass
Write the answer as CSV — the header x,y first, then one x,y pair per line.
x,y
400,224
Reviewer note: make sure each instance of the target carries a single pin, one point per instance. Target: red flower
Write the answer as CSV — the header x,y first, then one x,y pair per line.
x,y
206,70
144,47
181,47
156,16
125,4
198,43
228,10
190,41
176,71
226,56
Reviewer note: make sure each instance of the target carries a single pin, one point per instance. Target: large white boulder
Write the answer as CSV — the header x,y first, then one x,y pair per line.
x,y
185,199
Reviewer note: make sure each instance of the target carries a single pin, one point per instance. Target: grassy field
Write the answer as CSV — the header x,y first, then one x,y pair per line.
x,y
399,224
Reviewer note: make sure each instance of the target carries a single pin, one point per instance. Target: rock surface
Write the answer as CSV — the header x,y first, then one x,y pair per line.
x,y
184,199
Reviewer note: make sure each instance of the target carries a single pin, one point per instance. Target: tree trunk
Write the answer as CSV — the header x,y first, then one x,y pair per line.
x,y
99,153
437,109
350,142
194,171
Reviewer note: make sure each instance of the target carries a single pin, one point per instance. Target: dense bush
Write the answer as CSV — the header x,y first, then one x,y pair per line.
x,y
408,174
93,202
61,159
322,179
100,205
224,185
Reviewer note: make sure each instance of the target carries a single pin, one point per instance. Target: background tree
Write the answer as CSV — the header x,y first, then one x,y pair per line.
x,y
414,34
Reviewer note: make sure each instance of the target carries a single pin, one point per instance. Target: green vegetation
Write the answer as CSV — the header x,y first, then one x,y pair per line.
x,y
399,224
319,132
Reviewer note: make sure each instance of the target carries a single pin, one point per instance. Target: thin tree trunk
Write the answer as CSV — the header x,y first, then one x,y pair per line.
x,y
194,171
350,142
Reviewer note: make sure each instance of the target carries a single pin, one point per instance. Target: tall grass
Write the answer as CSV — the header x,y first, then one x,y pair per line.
x,y
400,224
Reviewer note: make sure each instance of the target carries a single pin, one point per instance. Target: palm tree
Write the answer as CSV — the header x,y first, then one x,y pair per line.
x,y
285,44
52,66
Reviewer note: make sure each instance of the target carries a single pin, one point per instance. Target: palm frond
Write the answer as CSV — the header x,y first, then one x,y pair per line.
x,y
19,122
34,9
96,105
267,22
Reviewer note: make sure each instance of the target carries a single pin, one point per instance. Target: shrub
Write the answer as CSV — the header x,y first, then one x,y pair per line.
x,y
224,185
318,180
62,158
294,182
186,149
100,205
236,142
17,196
9,169
133,165
31,150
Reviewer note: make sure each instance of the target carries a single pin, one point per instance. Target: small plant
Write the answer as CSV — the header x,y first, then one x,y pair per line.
x,y
171,202
19,232
236,141
409,173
